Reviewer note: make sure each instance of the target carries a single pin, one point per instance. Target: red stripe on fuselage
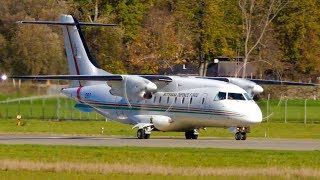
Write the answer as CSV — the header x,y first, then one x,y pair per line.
x,y
78,93
72,52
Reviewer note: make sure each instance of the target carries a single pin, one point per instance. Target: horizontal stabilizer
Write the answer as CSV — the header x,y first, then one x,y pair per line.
x,y
64,23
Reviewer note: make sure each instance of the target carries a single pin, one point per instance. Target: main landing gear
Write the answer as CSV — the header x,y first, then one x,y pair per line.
x,y
192,134
144,133
241,133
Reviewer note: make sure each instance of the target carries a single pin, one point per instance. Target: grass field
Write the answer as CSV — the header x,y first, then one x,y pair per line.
x,y
295,110
123,162
269,130
51,108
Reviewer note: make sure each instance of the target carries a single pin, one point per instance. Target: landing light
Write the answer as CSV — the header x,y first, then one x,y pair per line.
x,y
4,77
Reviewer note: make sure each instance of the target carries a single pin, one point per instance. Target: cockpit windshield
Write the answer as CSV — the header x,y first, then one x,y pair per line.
x,y
236,96
232,96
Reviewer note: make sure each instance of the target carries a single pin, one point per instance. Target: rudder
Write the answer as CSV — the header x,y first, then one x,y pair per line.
x,y
80,61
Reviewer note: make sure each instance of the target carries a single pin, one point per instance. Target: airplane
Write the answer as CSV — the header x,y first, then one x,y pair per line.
x,y
156,102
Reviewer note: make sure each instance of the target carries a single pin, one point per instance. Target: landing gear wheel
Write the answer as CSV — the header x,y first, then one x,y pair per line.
x,y
188,135
191,135
243,136
140,134
146,136
240,136
194,136
237,136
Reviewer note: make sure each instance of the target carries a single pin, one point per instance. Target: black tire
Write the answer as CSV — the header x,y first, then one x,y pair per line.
x,y
146,136
237,136
243,136
140,134
194,136
189,135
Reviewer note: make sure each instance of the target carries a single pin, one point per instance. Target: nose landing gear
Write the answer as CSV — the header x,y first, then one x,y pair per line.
x,y
144,133
240,136
241,133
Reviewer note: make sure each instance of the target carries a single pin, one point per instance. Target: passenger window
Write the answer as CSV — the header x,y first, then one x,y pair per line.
x,y
154,100
190,100
160,99
203,100
175,100
168,100
235,96
220,96
182,100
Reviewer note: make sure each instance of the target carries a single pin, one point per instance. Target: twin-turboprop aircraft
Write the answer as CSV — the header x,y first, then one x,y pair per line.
x,y
156,102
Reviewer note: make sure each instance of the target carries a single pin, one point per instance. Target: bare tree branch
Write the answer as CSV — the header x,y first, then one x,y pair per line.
x,y
248,10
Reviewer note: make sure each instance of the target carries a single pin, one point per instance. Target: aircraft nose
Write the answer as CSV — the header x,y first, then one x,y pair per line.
x,y
254,114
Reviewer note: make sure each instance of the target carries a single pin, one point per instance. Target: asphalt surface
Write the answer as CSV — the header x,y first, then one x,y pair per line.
x,y
117,141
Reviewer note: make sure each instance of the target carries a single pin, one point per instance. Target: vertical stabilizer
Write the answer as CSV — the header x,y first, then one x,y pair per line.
x,y
80,61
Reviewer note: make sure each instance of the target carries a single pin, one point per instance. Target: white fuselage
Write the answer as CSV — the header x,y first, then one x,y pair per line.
x,y
190,103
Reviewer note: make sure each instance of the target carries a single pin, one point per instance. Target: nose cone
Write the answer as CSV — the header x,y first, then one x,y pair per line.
x,y
67,91
254,115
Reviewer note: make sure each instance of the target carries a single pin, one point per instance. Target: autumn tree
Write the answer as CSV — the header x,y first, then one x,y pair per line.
x,y
107,46
257,16
37,50
298,32
156,46
211,26
21,53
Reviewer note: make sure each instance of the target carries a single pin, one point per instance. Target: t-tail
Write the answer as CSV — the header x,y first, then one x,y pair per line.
x,y
80,61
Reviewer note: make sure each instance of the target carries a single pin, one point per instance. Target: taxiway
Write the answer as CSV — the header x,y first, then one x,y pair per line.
x,y
251,143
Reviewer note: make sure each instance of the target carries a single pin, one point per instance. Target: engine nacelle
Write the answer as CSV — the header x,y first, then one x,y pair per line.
x,y
133,87
251,87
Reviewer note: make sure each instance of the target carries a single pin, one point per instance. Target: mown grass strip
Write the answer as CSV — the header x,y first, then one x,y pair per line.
x,y
173,157
40,175
147,169
269,130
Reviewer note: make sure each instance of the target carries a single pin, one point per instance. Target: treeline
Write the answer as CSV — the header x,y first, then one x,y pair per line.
x,y
155,34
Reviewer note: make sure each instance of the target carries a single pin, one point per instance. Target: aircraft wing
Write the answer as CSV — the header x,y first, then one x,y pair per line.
x,y
277,82
262,81
134,87
91,78
251,85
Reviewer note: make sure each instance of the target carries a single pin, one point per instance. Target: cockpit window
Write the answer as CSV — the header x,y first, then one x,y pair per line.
x,y
247,96
236,96
220,96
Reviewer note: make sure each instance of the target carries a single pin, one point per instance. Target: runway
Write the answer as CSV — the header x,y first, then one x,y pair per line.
x,y
117,141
